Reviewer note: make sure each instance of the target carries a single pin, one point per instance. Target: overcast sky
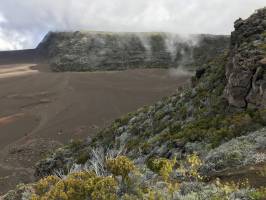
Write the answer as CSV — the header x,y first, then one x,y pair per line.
x,y
23,23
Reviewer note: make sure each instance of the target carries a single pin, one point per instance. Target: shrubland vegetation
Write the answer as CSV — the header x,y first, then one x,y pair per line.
x,y
126,181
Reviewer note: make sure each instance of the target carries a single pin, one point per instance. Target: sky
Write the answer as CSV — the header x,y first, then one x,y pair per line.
x,y
23,23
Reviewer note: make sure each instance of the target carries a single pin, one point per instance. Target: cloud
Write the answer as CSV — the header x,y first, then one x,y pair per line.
x,y
24,22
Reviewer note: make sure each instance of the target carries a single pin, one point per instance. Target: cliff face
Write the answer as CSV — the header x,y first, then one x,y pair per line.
x,y
245,70
89,51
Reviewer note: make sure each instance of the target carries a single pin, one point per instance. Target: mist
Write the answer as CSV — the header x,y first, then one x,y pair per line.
x,y
24,23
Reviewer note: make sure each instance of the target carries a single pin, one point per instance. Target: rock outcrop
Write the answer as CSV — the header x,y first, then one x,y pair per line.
x,y
90,51
245,71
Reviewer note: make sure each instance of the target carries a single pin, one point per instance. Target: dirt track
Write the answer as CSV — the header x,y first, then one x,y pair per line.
x,y
41,108
7,71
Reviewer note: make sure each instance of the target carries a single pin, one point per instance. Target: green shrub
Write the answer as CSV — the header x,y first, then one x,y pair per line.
x,y
220,128
75,145
124,119
133,143
82,157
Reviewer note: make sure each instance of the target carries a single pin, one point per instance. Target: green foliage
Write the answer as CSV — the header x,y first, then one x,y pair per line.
x,y
259,116
183,112
159,115
219,128
146,147
175,127
82,157
134,143
124,119
75,144
80,153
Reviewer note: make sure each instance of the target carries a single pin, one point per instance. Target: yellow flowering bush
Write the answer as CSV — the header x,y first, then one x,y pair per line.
x,y
104,189
163,167
190,168
77,186
194,164
120,166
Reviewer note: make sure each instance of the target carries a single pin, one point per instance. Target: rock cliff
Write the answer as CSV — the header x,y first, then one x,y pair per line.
x,y
89,51
245,71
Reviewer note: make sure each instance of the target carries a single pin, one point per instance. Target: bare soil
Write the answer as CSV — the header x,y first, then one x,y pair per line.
x,y
40,109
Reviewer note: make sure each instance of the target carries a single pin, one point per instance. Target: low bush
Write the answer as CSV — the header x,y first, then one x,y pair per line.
x,y
77,186
120,166
162,166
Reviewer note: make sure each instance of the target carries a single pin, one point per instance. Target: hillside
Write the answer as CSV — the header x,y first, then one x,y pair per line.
x,y
206,141
91,51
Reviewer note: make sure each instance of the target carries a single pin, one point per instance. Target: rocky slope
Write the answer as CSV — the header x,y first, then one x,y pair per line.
x,y
89,51
176,148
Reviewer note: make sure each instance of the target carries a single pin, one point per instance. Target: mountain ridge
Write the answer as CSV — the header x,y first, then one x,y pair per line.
x,y
91,51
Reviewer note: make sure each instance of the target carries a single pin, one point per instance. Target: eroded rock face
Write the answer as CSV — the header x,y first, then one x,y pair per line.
x,y
246,68
90,51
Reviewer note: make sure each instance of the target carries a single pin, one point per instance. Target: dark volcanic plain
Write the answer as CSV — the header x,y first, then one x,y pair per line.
x,y
40,109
